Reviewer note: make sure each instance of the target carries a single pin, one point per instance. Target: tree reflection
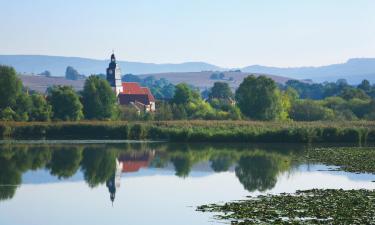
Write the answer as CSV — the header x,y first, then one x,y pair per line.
x,y
182,165
10,178
222,162
65,162
259,171
98,165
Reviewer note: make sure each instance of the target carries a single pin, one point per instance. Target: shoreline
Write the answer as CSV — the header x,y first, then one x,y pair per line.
x,y
359,132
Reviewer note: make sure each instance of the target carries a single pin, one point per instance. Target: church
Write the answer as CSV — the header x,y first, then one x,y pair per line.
x,y
129,93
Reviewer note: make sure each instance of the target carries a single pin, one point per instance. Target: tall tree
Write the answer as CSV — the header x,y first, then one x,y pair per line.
x,y
258,98
99,100
65,103
10,87
220,90
183,94
40,110
71,73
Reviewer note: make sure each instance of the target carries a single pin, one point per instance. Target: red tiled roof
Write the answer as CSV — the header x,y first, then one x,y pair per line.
x,y
131,88
133,92
148,92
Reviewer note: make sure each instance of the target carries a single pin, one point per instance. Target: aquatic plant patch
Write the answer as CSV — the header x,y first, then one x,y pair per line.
x,y
355,159
314,206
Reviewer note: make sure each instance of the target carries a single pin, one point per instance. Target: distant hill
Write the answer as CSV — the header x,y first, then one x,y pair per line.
x,y
35,64
354,70
198,79
202,79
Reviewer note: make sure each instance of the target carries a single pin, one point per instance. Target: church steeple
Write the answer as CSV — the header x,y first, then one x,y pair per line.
x,y
114,75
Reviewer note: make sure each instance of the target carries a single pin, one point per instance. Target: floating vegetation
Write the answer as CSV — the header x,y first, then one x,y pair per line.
x,y
359,160
314,206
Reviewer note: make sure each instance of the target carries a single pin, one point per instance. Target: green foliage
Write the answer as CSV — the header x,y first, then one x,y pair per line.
x,y
8,114
183,94
164,111
258,98
40,110
220,90
72,74
99,100
309,110
350,93
65,103
10,87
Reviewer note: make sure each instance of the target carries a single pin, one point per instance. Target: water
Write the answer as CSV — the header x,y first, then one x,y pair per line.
x,y
148,183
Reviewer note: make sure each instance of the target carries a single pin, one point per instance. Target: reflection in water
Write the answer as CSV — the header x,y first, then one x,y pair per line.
x,y
256,169
259,172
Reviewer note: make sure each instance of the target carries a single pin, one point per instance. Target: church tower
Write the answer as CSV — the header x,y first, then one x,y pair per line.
x,y
114,75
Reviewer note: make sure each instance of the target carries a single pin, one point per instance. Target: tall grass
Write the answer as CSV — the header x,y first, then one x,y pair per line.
x,y
196,131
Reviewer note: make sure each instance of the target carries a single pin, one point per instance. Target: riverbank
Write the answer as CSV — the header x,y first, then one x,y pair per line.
x,y
195,131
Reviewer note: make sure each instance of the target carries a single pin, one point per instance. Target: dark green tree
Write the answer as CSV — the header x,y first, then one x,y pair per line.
x,y
309,110
10,87
350,93
183,94
220,90
99,100
71,73
258,98
365,86
65,103
40,110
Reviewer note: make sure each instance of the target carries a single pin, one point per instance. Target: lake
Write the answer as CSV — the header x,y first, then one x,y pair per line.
x,y
149,183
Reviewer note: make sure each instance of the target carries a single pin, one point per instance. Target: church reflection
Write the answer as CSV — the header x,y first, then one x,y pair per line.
x,y
128,163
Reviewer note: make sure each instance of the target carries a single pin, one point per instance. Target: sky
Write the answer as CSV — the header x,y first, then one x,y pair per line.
x,y
227,33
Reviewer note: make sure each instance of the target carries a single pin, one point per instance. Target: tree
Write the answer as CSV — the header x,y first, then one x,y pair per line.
x,y
258,98
40,110
217,76
309,110
65,103
164,112
71,73
22,107
99,100
10,87
220,90
365,86
46,73
350,93
183,94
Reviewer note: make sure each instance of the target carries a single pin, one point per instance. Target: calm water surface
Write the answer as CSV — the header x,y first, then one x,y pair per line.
x,y
152,183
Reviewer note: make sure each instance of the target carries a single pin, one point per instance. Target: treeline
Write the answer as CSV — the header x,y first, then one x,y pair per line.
x,y
256,98
197,131
331,101
95,101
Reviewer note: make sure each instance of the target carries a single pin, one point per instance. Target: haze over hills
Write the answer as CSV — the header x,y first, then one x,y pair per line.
x,y
354,70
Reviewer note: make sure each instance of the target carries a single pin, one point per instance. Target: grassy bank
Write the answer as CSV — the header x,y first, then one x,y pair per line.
x,y
196,131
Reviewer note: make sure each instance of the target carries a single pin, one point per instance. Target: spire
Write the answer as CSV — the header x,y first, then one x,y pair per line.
x,y
113,58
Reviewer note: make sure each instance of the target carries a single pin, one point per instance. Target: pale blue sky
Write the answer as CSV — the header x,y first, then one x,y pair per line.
x,y
228,33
